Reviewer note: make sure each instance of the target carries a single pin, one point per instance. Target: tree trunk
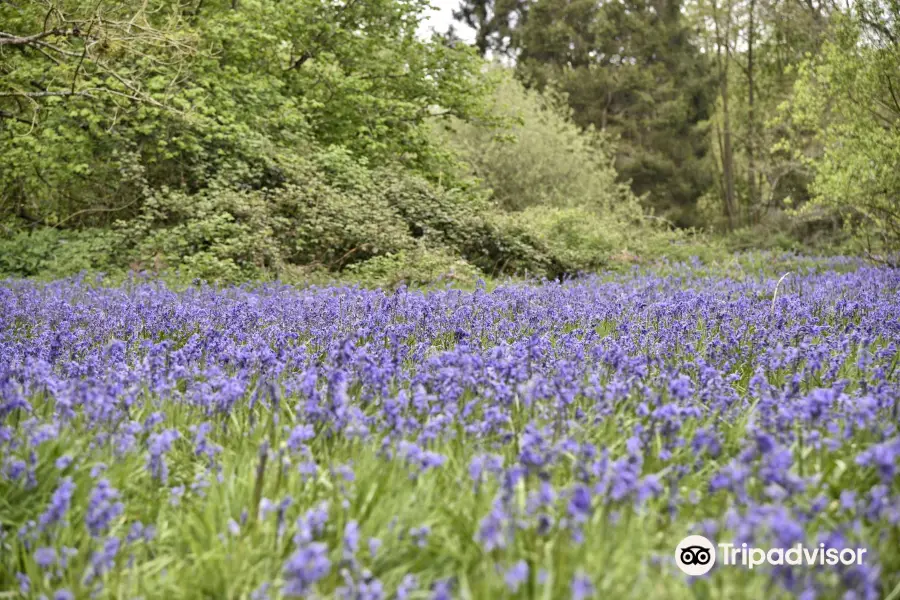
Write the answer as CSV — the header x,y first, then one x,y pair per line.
x,y
728,157
722,43
751,116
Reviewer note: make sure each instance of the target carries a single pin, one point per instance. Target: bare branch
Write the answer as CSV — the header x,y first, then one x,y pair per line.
x,y
8,39
44,94
86,93
880,27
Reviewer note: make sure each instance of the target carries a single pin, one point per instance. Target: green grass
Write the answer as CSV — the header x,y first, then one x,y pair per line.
x,y
195,555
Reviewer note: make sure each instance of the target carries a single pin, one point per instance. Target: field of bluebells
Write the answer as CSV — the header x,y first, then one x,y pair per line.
x,y
535,440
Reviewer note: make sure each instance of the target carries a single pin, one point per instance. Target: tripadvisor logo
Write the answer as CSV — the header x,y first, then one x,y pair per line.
x,y
695,555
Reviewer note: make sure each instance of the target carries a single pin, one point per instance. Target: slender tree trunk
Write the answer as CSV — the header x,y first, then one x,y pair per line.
x,y
722,44
751,115
719,170
728,157
604,118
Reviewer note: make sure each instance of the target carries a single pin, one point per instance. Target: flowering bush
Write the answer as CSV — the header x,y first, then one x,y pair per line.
x,y
548,440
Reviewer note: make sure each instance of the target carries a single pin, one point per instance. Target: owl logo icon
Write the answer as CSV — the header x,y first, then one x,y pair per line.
x,y
695,555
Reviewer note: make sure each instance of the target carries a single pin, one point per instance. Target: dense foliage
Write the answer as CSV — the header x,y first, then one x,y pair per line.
x,y
631,69
236,140
731,113
227,139
554,179
258,139
850,96
551,440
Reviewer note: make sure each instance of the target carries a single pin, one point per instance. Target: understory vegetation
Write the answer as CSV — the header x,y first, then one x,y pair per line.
x,y
309,141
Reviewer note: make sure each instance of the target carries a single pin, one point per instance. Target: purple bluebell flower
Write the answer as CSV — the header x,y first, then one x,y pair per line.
x,y
299,436
311,524
580,504
407,586
493,530
482,464
45,557
262,592
103,508
175,494
884,457
59,504
103,560
351,540
516,575
159,445
420,535
304,568
582,587
24,583
848,500
233,528
442,590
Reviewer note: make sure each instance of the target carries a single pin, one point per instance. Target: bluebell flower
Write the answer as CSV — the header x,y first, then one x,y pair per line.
x,y
407,586
442,590
103,508
45,557
24,583
351,540
582,588
304,568
374,545
59,504
516,575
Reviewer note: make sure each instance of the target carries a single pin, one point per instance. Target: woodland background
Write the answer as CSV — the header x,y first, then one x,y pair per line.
x,y
312,140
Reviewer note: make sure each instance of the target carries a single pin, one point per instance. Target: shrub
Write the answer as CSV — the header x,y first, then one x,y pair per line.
x,y
417,267
50,253
219,233
540,157
577,236
561,208
846,94
333,214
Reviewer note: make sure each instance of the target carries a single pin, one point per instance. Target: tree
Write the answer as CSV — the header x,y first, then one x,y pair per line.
x,y
553,178
756,44
58,50
100,104
850,96
496,23
628,68
721,22
73,75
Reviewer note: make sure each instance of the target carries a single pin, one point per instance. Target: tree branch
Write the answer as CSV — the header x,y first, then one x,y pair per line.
x,y
893,94
879,27
44,94
8,39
